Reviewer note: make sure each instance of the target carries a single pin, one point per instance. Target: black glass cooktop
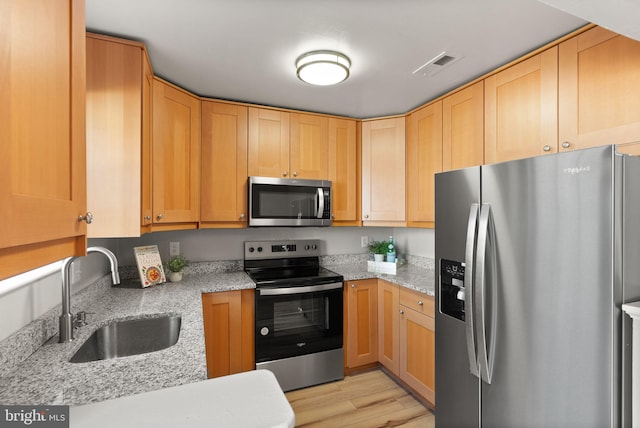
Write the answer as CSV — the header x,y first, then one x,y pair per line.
x,y
293,276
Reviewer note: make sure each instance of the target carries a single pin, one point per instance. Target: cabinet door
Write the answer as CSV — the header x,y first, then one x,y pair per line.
x,y
388,326
224,165
521,109
114,136
42,133
599,86
176,155
343,171
383,172
424,159
362,322
417,352
463,128
146,209
268,143
308,148
228,332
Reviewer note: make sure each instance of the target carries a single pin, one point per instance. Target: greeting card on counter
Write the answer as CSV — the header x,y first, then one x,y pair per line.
x,y
149,265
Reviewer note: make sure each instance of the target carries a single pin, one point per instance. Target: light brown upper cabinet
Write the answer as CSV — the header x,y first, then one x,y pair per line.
x,y
309,146
287,145
521,109
424,159
463,128
599,86
344,172
383,172
42,133
119,80
176,157
224,165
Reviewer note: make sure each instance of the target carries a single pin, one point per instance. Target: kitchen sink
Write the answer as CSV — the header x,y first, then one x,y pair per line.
x,y
124,338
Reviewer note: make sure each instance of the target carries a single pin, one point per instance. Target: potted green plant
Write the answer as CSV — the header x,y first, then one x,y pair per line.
x,y
379,249
175,266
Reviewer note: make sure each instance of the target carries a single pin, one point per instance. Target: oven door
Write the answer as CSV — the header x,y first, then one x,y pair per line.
x,y
293,321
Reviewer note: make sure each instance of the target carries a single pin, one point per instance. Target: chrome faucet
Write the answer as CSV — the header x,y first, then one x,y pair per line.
x,y
66,323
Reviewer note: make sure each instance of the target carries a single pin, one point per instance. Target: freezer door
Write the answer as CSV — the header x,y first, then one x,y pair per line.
x,y
457,389
554,317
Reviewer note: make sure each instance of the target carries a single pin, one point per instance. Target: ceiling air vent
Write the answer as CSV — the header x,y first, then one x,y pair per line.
x,y
436,64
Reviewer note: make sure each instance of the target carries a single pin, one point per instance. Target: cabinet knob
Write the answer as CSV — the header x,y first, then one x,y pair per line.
x,y
353,286
295,173
285,173
566,145
546,148
88,217
366,216
420,302
241,216
333,217
159,217
401,312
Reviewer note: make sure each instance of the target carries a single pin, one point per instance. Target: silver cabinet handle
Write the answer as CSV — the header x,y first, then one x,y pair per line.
x,y
295,173
401,312
420,302
546,148
159,217
285,173
366,216
566,145
353,286
241,216
88,217
147,217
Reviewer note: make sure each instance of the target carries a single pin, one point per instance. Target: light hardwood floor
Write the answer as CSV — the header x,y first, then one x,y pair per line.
x,y
369,399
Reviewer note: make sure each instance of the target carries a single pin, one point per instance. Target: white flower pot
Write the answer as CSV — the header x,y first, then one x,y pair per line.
x,y
175,276
378,257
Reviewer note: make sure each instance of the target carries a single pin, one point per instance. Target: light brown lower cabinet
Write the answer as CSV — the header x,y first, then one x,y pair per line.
x,y
228,332
361,322
417,342
403,327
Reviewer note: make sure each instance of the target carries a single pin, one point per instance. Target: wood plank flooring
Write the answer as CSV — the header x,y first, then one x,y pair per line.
x,y
369,399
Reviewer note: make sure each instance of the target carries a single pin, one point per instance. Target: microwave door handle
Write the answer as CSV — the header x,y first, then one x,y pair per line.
x,y
320,202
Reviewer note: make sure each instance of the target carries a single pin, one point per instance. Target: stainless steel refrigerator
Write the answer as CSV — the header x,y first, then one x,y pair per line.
x,y
534,259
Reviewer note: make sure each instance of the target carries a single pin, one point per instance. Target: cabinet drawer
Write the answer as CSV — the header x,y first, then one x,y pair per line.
x,y
417,301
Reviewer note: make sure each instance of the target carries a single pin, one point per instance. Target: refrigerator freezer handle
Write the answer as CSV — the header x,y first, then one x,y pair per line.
x,y
485,277
469,260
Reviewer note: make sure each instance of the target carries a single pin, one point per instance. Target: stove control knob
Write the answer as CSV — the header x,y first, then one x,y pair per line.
x,y
259,249
264,331
314,246
306,247
251,249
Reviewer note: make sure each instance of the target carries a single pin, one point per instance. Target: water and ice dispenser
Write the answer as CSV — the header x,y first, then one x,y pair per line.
x,y
452,288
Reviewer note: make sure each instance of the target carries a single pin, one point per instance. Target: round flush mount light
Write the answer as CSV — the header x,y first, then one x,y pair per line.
x,y
323,67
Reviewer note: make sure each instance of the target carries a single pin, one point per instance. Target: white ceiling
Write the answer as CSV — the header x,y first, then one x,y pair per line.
x,y
244,50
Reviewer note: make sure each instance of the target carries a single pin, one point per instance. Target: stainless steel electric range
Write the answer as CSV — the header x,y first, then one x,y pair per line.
x,y
299,307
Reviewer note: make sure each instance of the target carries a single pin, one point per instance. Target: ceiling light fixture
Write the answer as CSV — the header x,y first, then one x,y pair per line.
x,y
323,67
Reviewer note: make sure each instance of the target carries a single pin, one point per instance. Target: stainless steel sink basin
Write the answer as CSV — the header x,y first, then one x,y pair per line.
x,y
129,337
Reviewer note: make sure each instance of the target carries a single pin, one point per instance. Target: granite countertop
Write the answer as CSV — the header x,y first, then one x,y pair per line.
x,y
46,376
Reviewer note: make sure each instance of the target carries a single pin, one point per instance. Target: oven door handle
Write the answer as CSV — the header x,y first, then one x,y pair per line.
x,y
298,290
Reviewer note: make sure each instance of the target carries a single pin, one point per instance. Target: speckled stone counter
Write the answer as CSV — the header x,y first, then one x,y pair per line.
x,y
46,377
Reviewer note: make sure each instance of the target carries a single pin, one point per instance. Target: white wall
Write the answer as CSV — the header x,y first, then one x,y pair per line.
x,y
23,305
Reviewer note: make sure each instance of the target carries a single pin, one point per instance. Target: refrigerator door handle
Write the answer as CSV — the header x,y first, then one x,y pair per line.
x,y
469,260
485,292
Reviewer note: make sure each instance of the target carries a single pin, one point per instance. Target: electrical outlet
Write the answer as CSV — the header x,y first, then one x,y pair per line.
x,y
364,241
174,249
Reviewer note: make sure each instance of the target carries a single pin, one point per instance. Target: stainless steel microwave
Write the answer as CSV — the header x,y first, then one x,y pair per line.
x,y
289,202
